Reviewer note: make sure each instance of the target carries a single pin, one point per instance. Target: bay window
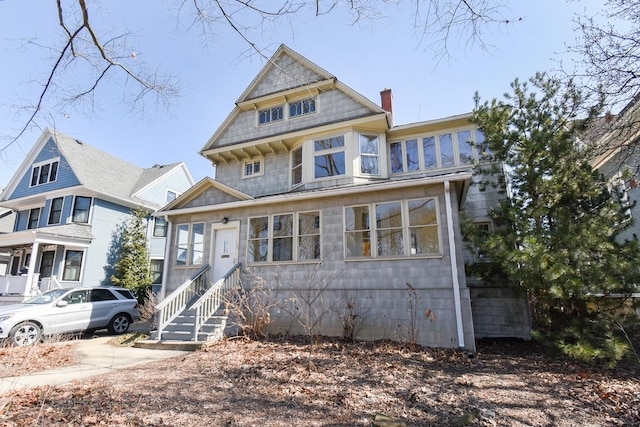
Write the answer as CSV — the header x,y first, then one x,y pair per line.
x,y
329,157
369,154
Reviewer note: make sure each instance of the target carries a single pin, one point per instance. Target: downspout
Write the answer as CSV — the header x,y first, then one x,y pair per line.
x,y
454,264
167,261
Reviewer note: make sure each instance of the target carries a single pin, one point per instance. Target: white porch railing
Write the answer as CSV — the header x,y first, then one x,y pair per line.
x,y
48,283
210,301
19,285
169,308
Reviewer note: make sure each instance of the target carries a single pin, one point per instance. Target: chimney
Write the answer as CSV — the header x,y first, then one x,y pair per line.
x,y
387,102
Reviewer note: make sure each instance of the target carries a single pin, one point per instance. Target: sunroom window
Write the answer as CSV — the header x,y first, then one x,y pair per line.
x,y
405,156
329,157
401,229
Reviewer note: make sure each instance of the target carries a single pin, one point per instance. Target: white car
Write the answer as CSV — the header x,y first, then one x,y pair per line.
x,y
62,311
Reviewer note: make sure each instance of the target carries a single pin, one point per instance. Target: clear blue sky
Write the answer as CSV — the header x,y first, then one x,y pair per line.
x,y
367,57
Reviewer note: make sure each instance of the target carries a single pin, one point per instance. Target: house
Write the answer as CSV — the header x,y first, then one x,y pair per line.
x,y
318,194
7,218
69,200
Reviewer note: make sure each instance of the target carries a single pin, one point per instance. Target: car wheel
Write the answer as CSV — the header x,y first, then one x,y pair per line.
x,y
25,334
119,324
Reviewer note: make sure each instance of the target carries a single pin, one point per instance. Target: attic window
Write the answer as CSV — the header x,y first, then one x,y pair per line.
x,y
269,115
302,107
44,172
252,168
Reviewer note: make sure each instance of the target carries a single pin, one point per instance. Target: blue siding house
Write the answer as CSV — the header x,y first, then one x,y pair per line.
x,y
69,200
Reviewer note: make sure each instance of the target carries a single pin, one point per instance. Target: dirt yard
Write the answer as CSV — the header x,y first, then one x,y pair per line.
x,y
280,383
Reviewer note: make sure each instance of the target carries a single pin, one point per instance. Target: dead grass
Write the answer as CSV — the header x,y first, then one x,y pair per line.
x,y
276,383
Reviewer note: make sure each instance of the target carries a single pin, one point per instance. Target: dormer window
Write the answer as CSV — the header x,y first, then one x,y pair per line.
x,y
272,114
44,172
252,168
302,107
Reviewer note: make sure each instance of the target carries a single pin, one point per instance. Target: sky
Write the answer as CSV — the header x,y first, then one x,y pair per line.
x,y
368,57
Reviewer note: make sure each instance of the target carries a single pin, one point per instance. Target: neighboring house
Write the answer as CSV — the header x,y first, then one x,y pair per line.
x,y
7,219
619,162
70,200
320,195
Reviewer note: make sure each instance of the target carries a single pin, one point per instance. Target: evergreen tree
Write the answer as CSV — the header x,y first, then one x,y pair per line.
x,y
555,232
132,269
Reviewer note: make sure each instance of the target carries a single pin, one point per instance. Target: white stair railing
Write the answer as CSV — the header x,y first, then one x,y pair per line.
x,y
210,301
175,303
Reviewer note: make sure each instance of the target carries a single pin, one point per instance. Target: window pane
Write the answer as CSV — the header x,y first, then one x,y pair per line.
x,y
283,249
388,215
72,265
44,174
34,215
258,250
309,235
465,148
424,240
259,227
369,165
160,227
422,212
283,225
329,165
328,143
358,244
396,158
446,150
156,271
369,144
53,174
483,150
81,209
390,242
430,155
171,196
56,210
413,160
34,176
357,218
197,243
248,169
182,244
296,166
258,244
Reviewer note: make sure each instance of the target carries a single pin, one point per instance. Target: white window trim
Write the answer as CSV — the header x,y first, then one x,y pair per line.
x,y
170,190
312,154
296,235
406,235
39,165
378,156
51,210
64,267
253,175
73,209
301,166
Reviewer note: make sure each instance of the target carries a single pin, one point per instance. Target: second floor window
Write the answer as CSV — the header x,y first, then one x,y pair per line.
x,y
329,157
296,167
34,216
55,212
252,168
44,172
369,154
81,207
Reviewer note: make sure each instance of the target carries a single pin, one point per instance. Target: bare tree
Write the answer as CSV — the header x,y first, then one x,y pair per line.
x,y
87,56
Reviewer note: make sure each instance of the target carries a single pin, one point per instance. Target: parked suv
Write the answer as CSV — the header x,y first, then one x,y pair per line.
x,y
61,311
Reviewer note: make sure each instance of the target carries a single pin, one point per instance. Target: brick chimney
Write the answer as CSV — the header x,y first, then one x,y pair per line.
x,y
387,102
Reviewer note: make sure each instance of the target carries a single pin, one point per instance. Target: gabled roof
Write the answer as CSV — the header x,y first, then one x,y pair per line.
x,y
97,171
199,188
287,74
620,133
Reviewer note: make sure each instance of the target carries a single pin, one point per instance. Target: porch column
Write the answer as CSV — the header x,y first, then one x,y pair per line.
x,y
31,273
454,264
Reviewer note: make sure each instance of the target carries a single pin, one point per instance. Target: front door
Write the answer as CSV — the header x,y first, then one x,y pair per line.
x,y
225,253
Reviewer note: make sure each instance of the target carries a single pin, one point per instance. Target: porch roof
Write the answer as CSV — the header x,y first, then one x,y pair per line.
x,y
68,235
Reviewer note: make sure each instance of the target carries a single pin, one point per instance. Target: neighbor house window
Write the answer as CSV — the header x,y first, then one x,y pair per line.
x,y
81,206
329,157
159,227
190,244
302,107
369,154
55,212
296,167
272,114
401,228
252,168
171,196
284,237
72,266
156,268
44,173
34,216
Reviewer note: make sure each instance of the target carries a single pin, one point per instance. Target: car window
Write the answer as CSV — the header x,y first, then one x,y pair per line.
x,y
125,293
102,295
76,297
47,297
